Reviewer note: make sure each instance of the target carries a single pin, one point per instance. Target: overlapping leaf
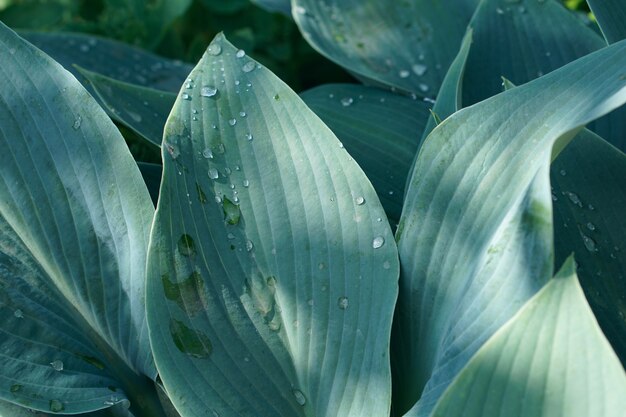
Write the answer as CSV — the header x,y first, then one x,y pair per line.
x,y
379,129
611,15
479,195
404,44
550,360
542,47
111,58
273,272
73,243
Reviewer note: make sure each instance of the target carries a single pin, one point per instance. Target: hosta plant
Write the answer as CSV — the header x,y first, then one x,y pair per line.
x,y
443,239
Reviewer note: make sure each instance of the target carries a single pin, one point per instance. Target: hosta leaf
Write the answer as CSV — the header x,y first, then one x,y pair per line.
x,y
589,190
283,6
111,58
11,410
523,41
404,44
567,38
478,170
611,16
142,109
73,243
379,129
273,274
550,360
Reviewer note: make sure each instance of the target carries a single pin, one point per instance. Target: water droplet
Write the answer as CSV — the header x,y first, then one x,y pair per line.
x,y
248,66
404,73
591,226
359,201
208,91
300,10
347,101
342,302
249,245
423,87
299,396
242,114
18,314
56,406
189,85
207,153
563,172
249,136
589,243
574,198
419,69
386,265
499,11
186,96
246,183
77,121
232,122
214,49
378,242
57,365
240,53
213,174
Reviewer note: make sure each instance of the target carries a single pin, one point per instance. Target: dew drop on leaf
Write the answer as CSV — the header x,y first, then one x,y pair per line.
x,y
207,153
347,101
378,242
18,314
57,365
299,396
248,66
213,174
232,122
342,302
359,201
214,49
208,91
240,53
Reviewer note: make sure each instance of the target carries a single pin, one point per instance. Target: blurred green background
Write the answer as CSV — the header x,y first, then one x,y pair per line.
x,y
181,29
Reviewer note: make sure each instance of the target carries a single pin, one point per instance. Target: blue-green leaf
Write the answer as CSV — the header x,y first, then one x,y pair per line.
x,y
479,195
404,44
611,16
273,272
111,58
551,359
74,227
379,129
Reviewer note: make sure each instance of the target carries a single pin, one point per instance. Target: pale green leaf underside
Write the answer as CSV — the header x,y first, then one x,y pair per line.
x,y
273,270
379,129
370,37
550,360
111,58
73,241
472,173
611,16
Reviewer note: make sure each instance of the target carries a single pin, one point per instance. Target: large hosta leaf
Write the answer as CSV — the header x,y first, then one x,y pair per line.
x,y
476,173
611,16
544,47
111,58
273,272
405,44
381,130
524,41
73,243
550,360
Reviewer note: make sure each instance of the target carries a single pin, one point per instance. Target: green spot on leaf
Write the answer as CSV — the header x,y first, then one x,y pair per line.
x,y
193,343
56,406
91,361
201,196
186,246
188,294
232,214
276,97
